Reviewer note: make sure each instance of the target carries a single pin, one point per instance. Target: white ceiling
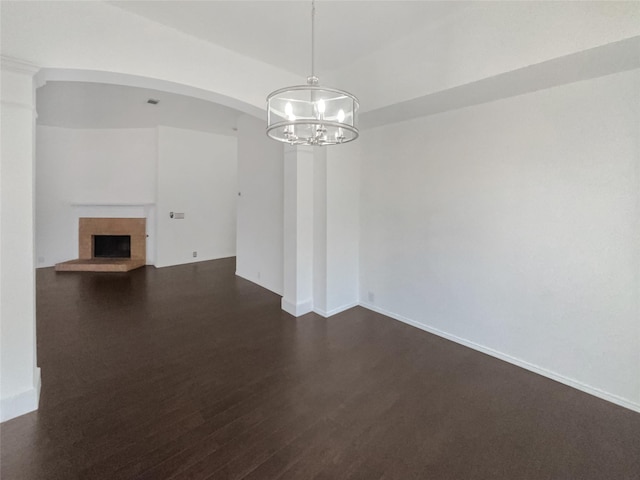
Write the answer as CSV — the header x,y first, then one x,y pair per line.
x,y
403,33
279,32
275,32
97,105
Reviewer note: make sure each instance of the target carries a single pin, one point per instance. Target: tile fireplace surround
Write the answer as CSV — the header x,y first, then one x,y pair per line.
x,y
136,228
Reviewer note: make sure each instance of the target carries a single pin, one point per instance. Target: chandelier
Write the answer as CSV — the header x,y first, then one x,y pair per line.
x,y
312,114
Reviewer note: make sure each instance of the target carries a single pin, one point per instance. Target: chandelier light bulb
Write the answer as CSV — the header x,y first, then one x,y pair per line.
x,y
288,109
341,116
321,106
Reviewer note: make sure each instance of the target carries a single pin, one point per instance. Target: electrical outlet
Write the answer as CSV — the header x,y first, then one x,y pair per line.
x,y
372,297
195,254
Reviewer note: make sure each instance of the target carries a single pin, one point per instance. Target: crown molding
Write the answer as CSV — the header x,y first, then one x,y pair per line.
x,y
17,65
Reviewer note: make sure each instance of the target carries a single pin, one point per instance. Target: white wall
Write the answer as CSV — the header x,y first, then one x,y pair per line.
x,y
197,176
260,224
320,240
343,226
75,166
514,227
19,374
298,235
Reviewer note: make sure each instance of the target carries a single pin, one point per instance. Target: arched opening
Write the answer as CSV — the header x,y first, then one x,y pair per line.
x,y
45,75
120,146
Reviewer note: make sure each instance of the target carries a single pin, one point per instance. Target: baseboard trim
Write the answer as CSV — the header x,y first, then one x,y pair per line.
x,y
246,277
596,392
330,313
297,309
191,260
22,403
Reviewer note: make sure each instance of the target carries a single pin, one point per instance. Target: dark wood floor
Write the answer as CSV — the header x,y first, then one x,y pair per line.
x,y
191,373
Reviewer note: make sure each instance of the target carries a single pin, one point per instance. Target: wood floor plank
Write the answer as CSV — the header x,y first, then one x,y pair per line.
x,y
192,372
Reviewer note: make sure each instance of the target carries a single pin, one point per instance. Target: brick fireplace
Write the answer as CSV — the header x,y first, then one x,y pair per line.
x,y
120,242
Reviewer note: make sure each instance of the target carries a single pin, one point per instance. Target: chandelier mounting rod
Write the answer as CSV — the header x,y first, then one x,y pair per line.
x,y
313,37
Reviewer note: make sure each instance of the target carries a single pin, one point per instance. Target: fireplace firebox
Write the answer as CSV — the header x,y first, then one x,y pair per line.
x,y
112,246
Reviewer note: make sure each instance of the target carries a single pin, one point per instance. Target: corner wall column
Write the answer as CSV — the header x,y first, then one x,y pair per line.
x,y
337,229
20,386
298,230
